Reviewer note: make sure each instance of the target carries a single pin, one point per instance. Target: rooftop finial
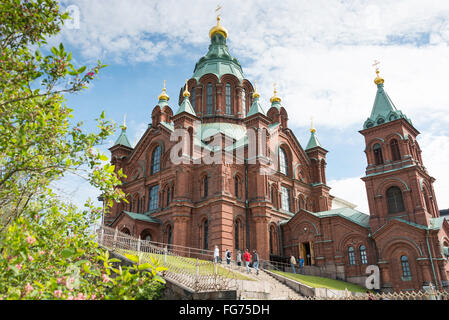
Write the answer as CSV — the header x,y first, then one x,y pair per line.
x,y
164,95
255,93
275,98
124,122
378,79
218,28
312,128
186,92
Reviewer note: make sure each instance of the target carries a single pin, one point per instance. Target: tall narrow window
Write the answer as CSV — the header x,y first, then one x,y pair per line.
x,y
406,274
237,234
285,199
192,98
236,187
206,234
205,187
283,165
363,256
396,155
351,256
244,102
209,99
168,197
273,197
156,160
228,99
394,200
154,198
271,240
378,154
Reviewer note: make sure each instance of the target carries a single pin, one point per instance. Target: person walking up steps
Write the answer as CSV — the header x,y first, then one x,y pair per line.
x,y
247,258
256,261
239,258
292,263
216,254
228,256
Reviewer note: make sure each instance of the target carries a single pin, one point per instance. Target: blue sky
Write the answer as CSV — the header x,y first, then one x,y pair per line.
x,y
319,53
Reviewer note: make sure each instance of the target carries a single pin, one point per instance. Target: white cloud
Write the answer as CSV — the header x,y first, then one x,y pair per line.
x,y
352,190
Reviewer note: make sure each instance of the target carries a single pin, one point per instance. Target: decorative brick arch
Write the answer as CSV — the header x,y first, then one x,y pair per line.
x,y
398,241
390,182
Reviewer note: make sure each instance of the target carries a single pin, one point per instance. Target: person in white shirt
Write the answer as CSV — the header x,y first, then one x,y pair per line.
x,y
217,254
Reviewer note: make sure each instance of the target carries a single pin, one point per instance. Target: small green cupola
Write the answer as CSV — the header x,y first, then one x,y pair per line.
x,y
218,59
256,107
123,139
313,141
384,109
185,105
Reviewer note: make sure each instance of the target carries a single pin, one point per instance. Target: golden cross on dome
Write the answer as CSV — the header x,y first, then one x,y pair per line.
x,y
218,10
312,128
274,85
375,64
124,122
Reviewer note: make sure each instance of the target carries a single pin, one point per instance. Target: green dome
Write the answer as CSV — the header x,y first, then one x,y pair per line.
x,y
218,60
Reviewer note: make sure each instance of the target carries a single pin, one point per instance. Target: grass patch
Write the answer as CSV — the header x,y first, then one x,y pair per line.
x,y
320,282
183,264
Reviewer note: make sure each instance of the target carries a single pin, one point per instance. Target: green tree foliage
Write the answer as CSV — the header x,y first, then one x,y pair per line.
x,y
47,250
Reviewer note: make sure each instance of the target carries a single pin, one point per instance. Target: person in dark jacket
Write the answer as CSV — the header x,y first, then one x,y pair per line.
x,y
256,261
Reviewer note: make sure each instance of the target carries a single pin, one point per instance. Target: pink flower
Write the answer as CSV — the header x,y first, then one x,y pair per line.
x,y
30,240
42,252
28,288
92,297
59,280
30,258
81,296
70,297
18,266
57,293
105,278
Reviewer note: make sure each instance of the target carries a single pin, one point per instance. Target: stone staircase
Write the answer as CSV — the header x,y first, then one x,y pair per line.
x,y
264,286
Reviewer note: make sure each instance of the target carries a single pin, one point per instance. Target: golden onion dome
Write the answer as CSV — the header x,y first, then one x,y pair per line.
x,y
218,29
275,98
378,79
163,95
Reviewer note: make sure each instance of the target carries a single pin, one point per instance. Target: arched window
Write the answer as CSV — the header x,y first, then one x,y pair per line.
x,y
285,199
206,234
228,99
236,187
283,165
363,256
378,154
156,160
237,235
209,99
394,200
351,256
244,102
406,274
154,198
205,187
396,155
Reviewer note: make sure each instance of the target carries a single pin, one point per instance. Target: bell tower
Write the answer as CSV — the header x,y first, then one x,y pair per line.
x,y
398,185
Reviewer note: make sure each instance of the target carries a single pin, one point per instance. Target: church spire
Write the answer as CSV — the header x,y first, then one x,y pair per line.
x,y
383,109
185,105
123,139
256,107
163,96
313,141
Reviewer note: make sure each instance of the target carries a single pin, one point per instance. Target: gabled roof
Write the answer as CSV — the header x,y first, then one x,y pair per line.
x,y
142,217
357,217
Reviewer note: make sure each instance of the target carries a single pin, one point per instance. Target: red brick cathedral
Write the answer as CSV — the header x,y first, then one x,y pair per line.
x,y
181,191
